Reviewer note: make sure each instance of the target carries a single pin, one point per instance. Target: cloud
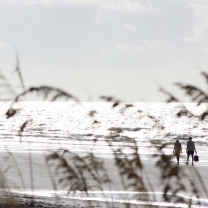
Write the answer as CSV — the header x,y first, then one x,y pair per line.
x,y
191,39
122,46
4,45
127,47
154,44
204,49
145,46
105,49
118,5
200,29
202,12
186,52
138,48
130,27
99,20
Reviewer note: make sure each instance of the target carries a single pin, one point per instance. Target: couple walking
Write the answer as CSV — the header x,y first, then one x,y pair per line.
x,y
190,150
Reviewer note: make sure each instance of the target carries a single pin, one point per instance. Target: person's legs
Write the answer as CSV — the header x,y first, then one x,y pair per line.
x,y
192,155
177,156
188,154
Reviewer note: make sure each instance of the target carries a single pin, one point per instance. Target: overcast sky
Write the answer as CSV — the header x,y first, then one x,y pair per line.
x,y
105,47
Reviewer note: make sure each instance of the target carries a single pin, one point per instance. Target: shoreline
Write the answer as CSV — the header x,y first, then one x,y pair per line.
x,y
24,201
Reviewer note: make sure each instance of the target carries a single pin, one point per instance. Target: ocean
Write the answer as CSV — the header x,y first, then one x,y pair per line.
x,y
75,126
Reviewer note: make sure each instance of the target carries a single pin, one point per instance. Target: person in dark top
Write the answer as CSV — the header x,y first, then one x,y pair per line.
x,y
177,150
190,150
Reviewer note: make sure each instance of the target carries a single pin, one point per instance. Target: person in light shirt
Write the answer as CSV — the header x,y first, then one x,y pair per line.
x,y
190,150
177,150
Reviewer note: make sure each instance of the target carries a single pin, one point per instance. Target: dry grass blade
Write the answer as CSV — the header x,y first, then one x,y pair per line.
x,y
17,168
184,112
46,91
125,107
205,75
195,93
8,168
115,104
107,98
204,188
95,168
171,98
11,112
151,117
56,93
129,106
23,126
68,176
17,69
203,115
95,122
111,99
157,123
75,175
92,113
171,176
130,167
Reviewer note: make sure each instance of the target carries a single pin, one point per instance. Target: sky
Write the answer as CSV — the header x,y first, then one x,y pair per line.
x,y
91,48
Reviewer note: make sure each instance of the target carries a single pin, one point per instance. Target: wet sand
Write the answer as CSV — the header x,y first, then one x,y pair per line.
x,y
27,182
